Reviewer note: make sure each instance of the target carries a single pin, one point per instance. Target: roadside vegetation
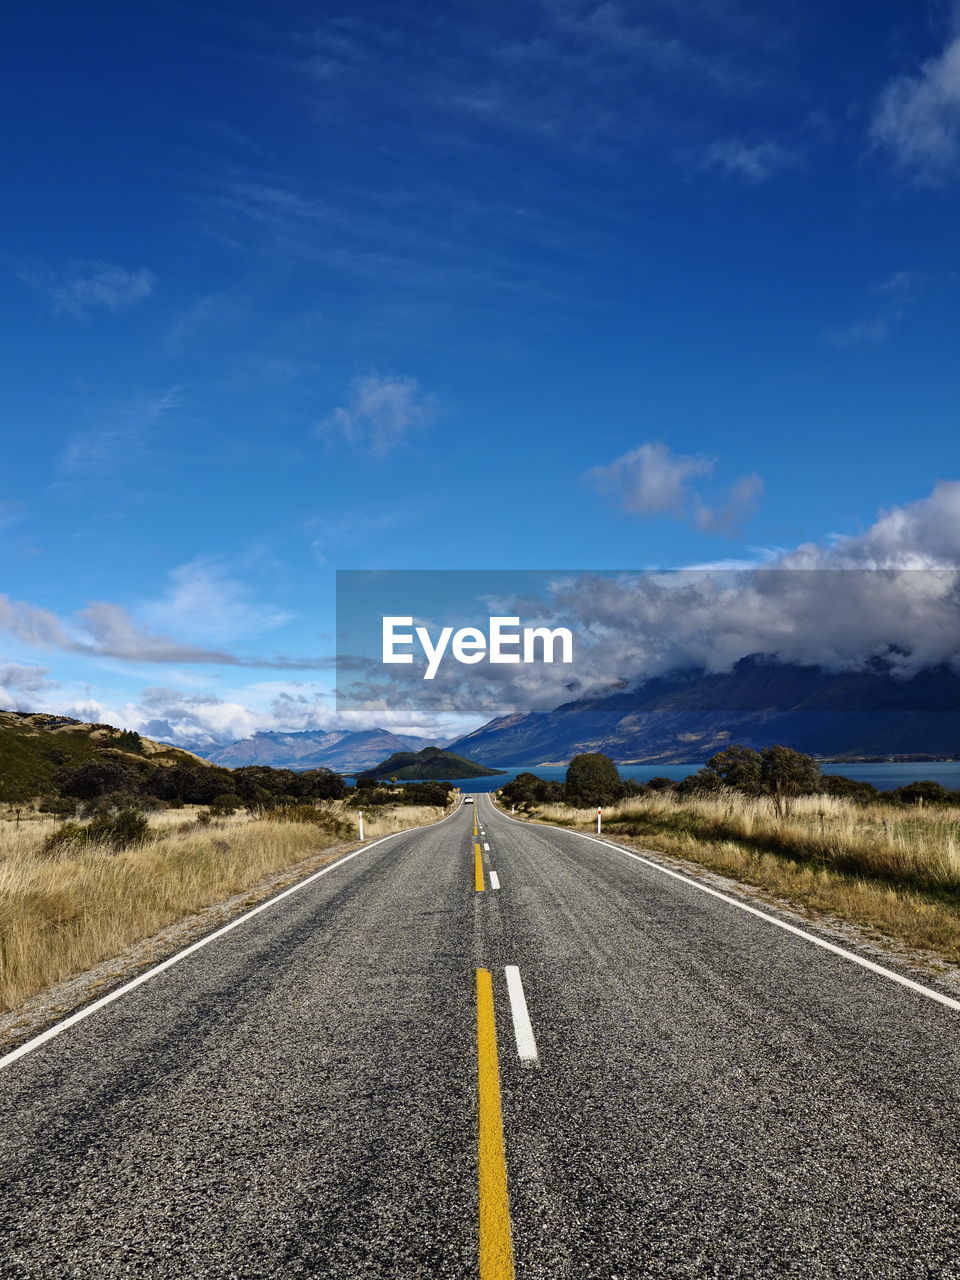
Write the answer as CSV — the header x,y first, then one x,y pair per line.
x,y
107,838
76,893
889,861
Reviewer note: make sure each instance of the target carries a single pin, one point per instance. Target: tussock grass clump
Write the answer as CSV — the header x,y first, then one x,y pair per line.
x,y
893,869
67,903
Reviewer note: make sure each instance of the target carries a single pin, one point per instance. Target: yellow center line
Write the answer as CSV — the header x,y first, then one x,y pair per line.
x,y
496,1243
477,869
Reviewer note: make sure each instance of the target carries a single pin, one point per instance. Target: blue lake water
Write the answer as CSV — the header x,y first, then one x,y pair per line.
x,y
884,776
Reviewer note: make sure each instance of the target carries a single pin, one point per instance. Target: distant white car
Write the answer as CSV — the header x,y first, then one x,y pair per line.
x,y
468,799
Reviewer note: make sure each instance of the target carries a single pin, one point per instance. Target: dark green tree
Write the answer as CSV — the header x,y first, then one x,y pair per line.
x,y
592,779
785,773
738,767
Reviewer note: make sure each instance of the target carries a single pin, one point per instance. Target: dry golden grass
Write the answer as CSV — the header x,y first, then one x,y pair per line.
x,y
891,869
63,914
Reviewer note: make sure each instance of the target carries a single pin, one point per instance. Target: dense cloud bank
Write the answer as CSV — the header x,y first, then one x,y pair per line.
x,y
891,594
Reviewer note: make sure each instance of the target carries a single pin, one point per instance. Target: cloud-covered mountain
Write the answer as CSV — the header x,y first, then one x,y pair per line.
x,y
890,594
688,715
341,750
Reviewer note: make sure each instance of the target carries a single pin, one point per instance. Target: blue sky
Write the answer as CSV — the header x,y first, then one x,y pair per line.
x,y
300,287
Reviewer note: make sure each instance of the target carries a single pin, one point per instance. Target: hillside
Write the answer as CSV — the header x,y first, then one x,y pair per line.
x,y
687,716
33,746
337,749
431,763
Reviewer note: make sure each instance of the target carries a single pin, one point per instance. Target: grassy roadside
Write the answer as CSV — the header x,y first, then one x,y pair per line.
x,y
63,912
893,871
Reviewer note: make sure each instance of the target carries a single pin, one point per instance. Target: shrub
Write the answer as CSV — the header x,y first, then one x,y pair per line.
x,y
68,833
59,805
119,830
920,792
227,803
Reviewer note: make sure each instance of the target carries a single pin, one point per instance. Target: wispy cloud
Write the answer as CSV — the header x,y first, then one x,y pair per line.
x,y
917,118
380,413
11,510
86,286
751,162
652,481
124,436
353,527
896,293
204,598
107,630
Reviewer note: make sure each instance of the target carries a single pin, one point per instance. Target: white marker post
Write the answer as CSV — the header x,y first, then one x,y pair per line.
x,y
361,824
599,811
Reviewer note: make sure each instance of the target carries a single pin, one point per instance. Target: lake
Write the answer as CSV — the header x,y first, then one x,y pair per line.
x,y
885,776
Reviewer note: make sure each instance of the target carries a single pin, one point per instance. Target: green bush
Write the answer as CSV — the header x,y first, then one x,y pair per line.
x,y
67,834
117,831
227,803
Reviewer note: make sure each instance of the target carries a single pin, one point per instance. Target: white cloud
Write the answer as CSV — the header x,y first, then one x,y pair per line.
x,y
917,118
20,685
190,719
741,501
203,599
198,720
651,480
381,412
751,162
84,286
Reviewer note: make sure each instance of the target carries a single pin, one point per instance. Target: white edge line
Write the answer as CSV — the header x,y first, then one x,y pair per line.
x,y
879,969
79,1016
522,1030
494,880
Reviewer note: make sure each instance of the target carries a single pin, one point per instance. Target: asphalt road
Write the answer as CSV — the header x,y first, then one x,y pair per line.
x,y
710,1095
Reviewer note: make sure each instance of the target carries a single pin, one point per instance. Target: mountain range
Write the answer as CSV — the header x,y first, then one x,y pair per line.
x,y
686,716
338,749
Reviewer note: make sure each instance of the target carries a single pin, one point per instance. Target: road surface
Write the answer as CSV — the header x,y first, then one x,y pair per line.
x,y
335,1089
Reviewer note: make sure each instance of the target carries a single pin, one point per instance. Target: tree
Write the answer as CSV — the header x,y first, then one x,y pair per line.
x,y
592,779
94,778
319,784
785,773
777,772
738,767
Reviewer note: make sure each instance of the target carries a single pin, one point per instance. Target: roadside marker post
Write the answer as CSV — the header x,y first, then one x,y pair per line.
x,y
599,811
360,816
